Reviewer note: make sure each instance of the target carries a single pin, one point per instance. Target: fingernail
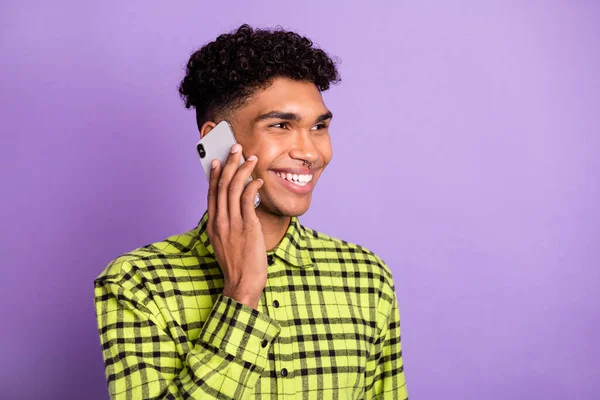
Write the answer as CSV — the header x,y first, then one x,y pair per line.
x,y
252,158
235,148
214,164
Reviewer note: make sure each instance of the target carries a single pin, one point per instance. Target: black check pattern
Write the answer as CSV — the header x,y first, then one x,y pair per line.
x,y
327,326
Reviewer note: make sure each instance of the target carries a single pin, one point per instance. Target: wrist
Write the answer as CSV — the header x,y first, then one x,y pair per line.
x,y
242,297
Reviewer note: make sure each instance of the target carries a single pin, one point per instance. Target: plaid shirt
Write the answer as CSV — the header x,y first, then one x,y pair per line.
x,y
327,324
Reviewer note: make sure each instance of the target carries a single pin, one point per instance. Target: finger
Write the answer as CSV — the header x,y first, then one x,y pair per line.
x,y
236,187
215,173
248,196
229,169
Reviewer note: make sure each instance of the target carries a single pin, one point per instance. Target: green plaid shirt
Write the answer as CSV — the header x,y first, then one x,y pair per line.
x,y
327,325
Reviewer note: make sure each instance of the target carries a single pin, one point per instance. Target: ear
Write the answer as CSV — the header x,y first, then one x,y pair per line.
x,y
206,127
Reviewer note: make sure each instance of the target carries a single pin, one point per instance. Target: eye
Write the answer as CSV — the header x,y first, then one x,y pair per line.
x,y
281,125
319,127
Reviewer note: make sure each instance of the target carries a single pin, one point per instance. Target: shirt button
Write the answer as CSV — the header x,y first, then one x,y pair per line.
x,y
264,343
284,372
275,304
270,259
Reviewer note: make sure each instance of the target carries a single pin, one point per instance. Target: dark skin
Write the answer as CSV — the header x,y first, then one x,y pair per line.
x,y
281,130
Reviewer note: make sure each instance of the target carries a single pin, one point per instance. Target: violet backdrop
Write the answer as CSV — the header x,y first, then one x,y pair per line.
x,y
466,140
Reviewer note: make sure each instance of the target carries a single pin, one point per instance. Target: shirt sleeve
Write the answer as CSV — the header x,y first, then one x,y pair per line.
x,y
143,360
385,369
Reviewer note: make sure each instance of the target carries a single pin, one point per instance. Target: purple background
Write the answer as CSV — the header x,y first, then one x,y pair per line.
x,y
466,144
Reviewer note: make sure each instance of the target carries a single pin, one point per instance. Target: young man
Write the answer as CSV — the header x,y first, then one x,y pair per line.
x,y
251,304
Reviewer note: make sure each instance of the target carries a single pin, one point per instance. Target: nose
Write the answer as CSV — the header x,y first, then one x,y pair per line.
x,y
304,147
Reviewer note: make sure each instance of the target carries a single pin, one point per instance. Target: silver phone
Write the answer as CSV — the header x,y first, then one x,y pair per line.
x,y
217,144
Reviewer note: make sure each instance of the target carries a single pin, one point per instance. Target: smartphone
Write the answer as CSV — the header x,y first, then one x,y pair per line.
x,y
217,144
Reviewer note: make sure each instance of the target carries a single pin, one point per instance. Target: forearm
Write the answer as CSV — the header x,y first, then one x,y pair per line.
x,y
385,369
144,360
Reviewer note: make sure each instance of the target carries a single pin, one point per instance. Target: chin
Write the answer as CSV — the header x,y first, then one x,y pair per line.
x,y
297,212
287,210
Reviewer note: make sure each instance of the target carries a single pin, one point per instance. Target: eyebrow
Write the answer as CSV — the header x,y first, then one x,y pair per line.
x,y
288,116
325,117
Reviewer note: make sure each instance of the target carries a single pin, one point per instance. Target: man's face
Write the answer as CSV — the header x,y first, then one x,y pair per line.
x,y
285,125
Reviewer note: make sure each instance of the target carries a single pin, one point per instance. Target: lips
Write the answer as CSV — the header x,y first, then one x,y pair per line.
x,y
299,180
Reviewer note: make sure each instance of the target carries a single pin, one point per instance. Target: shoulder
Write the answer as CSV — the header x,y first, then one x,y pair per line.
x,y
174,253
350,257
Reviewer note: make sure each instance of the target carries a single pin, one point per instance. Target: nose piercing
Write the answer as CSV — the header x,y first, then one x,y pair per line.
x,y
304,162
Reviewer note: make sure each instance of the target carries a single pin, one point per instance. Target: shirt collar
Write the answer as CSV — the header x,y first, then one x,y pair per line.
x,y
292,248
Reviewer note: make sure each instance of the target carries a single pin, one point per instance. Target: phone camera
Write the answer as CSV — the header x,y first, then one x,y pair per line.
x,y
201,151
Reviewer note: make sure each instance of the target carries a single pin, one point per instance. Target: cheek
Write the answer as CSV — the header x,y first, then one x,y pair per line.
x,y
253,146
326,149
266,152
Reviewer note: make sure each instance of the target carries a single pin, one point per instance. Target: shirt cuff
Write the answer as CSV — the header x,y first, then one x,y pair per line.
x,y
240,330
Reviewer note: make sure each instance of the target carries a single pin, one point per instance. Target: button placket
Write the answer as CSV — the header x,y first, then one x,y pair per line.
x,y
285,361
273,305
270,295
272,308
275,302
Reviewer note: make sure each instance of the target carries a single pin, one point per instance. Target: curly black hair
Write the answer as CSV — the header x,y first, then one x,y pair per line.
x,y
224,73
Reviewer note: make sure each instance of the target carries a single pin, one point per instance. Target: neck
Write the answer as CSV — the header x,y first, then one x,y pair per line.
x,y
273,227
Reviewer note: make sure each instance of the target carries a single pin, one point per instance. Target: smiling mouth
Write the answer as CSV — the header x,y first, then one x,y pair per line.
x,y
296,179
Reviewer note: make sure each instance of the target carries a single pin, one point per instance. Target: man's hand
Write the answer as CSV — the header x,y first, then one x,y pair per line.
x,y
234,229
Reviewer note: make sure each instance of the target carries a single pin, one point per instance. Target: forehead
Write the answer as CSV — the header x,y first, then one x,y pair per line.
x,y
287,95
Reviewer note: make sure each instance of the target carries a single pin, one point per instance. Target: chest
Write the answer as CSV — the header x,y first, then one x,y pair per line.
x,y
328,326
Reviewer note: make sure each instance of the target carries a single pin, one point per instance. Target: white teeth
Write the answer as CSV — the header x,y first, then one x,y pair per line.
x,y
300,180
